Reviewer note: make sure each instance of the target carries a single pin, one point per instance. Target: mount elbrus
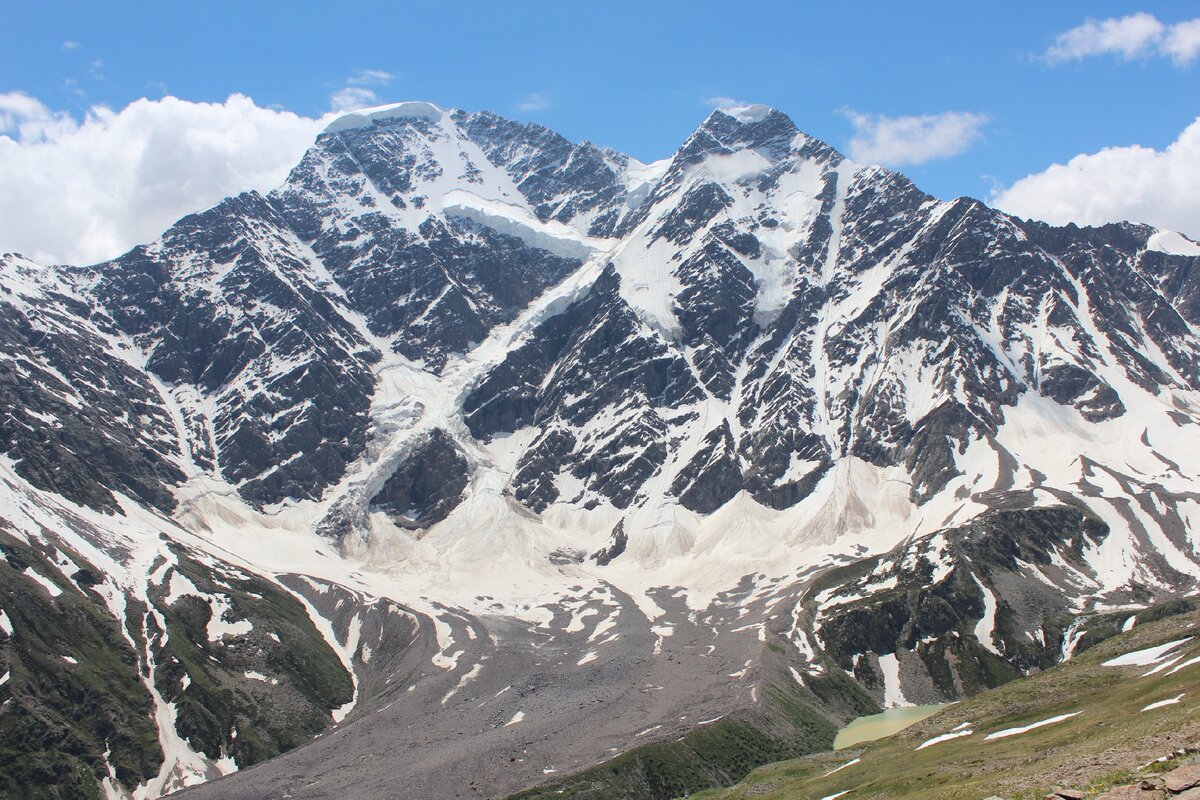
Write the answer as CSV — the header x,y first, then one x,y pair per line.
x,y
490,457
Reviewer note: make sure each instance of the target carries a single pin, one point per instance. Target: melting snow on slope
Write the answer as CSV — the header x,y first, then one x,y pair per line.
x,y
957,733
893,696
849,763
258,676
1163,703
1190,662
218,626
181,586
985,628
1146,657
49,585
467,677
1004,734
1071,639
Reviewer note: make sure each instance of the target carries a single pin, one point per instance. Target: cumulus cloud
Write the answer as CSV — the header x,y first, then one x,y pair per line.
x,y
1133,36
70,44
895,141
1182,42
1159,187
534,101
83,191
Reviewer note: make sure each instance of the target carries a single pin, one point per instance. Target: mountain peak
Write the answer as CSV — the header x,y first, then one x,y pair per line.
x,y
750,113
758,127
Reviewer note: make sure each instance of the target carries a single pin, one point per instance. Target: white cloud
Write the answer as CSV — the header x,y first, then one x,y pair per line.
x,y
1129,36
70,45
30,120
1182,42
895,141
1133,36
720,101
356,94
534,101
352,97
370,77
81,192
1159,187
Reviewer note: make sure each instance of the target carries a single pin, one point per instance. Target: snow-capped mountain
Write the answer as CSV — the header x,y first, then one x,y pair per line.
x,y
489,407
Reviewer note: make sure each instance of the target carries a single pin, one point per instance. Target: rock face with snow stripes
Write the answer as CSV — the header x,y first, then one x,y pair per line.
x,y
768,310
487,366
76,417
963,608
235,316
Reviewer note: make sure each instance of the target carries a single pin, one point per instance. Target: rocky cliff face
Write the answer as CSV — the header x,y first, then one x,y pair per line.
x,y
459,363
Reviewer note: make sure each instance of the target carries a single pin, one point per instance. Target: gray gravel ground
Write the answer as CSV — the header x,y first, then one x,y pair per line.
x,y
421,732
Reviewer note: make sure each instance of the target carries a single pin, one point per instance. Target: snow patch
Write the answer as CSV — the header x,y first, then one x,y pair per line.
x,y
1173,244
986,627
849,763
364,117
1004,734
1163,703
46,583
181,586
893,695
1071,639
258,676
469,676
218,626
945,737
1146,657
1184,665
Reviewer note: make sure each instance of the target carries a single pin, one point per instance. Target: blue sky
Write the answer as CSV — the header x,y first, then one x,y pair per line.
x,y
640,76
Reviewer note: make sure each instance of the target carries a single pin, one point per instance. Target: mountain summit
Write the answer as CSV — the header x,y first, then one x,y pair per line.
x,y
463,406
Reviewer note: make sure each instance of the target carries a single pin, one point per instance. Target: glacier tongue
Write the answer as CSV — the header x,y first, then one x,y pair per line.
x,y
516,221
